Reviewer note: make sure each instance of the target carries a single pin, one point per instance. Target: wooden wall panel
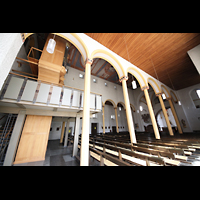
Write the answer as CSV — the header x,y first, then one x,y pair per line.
x,y
50,65
34,139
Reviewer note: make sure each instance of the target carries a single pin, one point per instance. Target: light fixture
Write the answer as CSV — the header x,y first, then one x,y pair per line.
x,y
94,80
51,45
112,116
198,93
120,108
179,102
106,84
81,76
163,96
141,108
134,85
115,87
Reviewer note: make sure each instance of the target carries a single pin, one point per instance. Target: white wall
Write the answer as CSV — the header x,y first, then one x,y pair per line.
x,y
24,67
54,134
9,48
192,113
72,79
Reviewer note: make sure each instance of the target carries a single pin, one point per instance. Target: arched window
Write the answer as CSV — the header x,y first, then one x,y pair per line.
x,y
195,94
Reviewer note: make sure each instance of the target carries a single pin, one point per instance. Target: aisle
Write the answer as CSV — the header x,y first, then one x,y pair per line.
x,y
57,155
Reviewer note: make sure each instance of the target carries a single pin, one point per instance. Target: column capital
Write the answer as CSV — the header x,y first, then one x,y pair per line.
x,y
123,78
145,87
159,94
88,61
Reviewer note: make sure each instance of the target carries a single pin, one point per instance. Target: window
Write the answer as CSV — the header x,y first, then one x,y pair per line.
x,y
94,80
81,75
112,116
198,93
163,96
195,95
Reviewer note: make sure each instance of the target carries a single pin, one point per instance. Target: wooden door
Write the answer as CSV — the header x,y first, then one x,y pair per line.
x,y
114,129
94,128
34,139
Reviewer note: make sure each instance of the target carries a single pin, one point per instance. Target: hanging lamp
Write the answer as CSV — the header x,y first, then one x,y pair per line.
x,y
134,85
51,45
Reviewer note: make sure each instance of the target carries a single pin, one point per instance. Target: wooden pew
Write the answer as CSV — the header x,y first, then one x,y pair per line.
x,y
166,153
102,157
128,154
106,159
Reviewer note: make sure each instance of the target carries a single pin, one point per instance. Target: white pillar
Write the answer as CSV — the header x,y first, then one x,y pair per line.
x,y
76,136
128,110
84,157
15,137
66,134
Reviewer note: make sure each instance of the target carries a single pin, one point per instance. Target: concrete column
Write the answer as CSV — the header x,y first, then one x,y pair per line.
x,y
84,157
175,116
103,119
14,140
76,136
153,120
62,132
66,134
165,115
128,111
116,118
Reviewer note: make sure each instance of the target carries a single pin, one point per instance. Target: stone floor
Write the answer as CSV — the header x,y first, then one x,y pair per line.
x,y
58,155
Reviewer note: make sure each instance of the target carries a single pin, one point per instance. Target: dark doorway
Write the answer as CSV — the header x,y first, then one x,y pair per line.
x,y
94,128
114,129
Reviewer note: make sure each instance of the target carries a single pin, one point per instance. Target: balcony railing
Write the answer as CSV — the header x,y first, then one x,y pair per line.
x,y
27,90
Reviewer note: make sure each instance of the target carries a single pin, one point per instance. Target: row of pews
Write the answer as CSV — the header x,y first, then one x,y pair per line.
x,y
117,150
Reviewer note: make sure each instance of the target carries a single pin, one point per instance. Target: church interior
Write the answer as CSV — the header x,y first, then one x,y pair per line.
x,y
100,99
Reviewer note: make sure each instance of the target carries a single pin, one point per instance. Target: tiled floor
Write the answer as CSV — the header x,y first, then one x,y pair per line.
x,y
58,155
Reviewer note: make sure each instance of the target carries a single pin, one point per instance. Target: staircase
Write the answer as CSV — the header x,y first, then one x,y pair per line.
x,y
5,135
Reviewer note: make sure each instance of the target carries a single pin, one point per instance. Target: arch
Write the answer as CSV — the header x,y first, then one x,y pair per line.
x,y
111,101
74,39
154,85
133,108
194,97
174,95
165,90
122,104
137,74
100,53
161,111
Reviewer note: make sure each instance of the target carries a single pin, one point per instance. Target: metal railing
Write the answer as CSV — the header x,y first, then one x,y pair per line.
x,y
28,90
5,135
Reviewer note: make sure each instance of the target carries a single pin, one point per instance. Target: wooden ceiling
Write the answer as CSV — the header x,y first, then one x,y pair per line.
x,y
161,53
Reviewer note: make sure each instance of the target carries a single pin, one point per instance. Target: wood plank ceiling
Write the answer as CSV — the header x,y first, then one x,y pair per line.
x,y
161,53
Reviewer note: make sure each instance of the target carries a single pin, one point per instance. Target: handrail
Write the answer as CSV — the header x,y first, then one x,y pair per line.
x,y
35,49
56,84
24,73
